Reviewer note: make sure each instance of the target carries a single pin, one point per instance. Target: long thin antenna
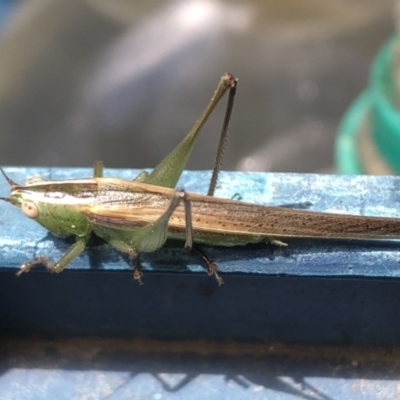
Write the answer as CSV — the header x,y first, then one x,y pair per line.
x,y
224,133
9,180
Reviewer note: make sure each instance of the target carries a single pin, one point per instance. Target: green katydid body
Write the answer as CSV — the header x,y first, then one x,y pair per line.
x,y
117,209
139,216
68,208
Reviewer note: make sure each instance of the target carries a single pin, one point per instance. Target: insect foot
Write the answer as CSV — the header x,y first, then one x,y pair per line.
x,y
38,261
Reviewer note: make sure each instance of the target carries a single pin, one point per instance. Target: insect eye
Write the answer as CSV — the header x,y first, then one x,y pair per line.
x,y
29,209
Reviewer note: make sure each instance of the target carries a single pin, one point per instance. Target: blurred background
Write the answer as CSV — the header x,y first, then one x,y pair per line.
x,y
123,81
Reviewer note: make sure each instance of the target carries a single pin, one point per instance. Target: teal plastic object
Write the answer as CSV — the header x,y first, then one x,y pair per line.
x,y
368,138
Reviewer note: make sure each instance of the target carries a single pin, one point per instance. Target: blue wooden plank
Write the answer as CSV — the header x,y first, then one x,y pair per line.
x,y
311,292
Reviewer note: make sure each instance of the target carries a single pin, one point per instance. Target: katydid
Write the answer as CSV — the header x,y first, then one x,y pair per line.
x,y
140,215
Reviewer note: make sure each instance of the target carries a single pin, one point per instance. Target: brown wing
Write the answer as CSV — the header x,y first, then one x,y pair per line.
x,y
216,215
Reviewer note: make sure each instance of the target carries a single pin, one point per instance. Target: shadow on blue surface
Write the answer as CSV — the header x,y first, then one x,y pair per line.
x,y
184,368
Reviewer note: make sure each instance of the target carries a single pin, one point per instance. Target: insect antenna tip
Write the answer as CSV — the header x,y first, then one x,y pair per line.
x,y
9,180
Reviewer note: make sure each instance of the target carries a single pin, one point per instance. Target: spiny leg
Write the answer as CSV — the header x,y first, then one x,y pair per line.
x,y
168,171
223,137
211,267
73,252
182,195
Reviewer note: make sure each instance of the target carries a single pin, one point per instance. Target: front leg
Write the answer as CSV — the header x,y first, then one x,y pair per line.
x,y
73,252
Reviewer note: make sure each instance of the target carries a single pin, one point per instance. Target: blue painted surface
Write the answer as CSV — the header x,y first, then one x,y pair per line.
x,y
340,293
145,380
